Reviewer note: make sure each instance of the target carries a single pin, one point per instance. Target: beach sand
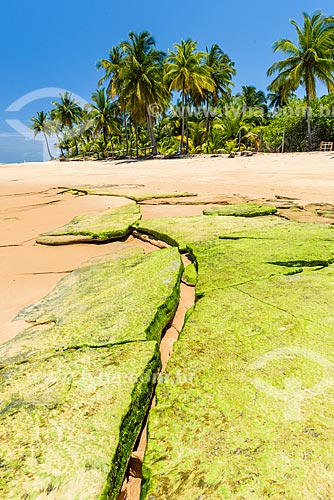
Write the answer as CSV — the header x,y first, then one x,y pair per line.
x,y
32,201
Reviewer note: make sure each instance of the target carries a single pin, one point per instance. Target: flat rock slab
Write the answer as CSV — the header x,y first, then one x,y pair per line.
x,y
76,385
180,231
68,422
130,298
241,210
245,408
105,226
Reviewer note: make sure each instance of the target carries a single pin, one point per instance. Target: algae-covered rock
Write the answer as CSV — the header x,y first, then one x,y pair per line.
x,y
131,298
241,210
245,409
76,385
68,422
180,231
190,275
227,262
108,225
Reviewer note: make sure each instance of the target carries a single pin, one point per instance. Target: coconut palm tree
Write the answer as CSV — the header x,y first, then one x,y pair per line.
x,y
102,113
68,113
41,123
222,71
114,75
309,60
144,88
186,72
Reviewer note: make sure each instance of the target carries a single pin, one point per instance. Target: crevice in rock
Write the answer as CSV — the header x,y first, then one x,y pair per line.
x,y
132,482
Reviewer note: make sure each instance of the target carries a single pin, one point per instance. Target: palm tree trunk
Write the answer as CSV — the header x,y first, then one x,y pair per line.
x,y
207,124
182,123
76,145
47,145
187,129
137,138
126,133
151,132
309,130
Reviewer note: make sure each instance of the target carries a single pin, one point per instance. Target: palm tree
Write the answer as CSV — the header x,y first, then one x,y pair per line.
x,y
221,71
308,61
41,124
102,112
186,72
68,113
114,74
143,80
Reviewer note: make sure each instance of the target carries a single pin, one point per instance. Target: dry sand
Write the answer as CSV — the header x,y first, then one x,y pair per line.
x,y
31,203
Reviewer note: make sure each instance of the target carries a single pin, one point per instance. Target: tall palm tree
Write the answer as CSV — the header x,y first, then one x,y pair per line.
x,y
309,60
143,80
41,124
68,113
102,112
114,75
186,72
222,71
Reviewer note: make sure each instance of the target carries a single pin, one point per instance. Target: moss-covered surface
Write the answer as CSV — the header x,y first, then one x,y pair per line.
x,y
122,300
181,231
76,384
245,410
68,423
241,210
109,225
138,197
190,275
215,434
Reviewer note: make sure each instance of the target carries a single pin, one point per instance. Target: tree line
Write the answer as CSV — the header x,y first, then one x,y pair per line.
x,y
150,102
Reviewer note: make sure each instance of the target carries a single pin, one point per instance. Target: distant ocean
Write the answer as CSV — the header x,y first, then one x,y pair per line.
x,y
17,149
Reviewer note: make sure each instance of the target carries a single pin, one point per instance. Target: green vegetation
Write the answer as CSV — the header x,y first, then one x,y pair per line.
x,y
190,275
78,382
180,231
241,210
105,226
262,289
120,300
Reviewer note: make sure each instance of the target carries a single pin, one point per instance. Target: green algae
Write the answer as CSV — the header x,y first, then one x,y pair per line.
x,y
190,275
68,423
245,408
105,226
241,210
223,434
131,298
76,385
180,231
228,262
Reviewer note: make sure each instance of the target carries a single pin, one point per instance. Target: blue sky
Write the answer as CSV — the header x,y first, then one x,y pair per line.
x,y
57,44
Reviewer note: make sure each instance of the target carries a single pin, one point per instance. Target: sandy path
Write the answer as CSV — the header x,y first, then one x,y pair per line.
x,y
31,203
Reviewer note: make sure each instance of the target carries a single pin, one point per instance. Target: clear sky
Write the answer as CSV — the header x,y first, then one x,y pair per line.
x,y
57,44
